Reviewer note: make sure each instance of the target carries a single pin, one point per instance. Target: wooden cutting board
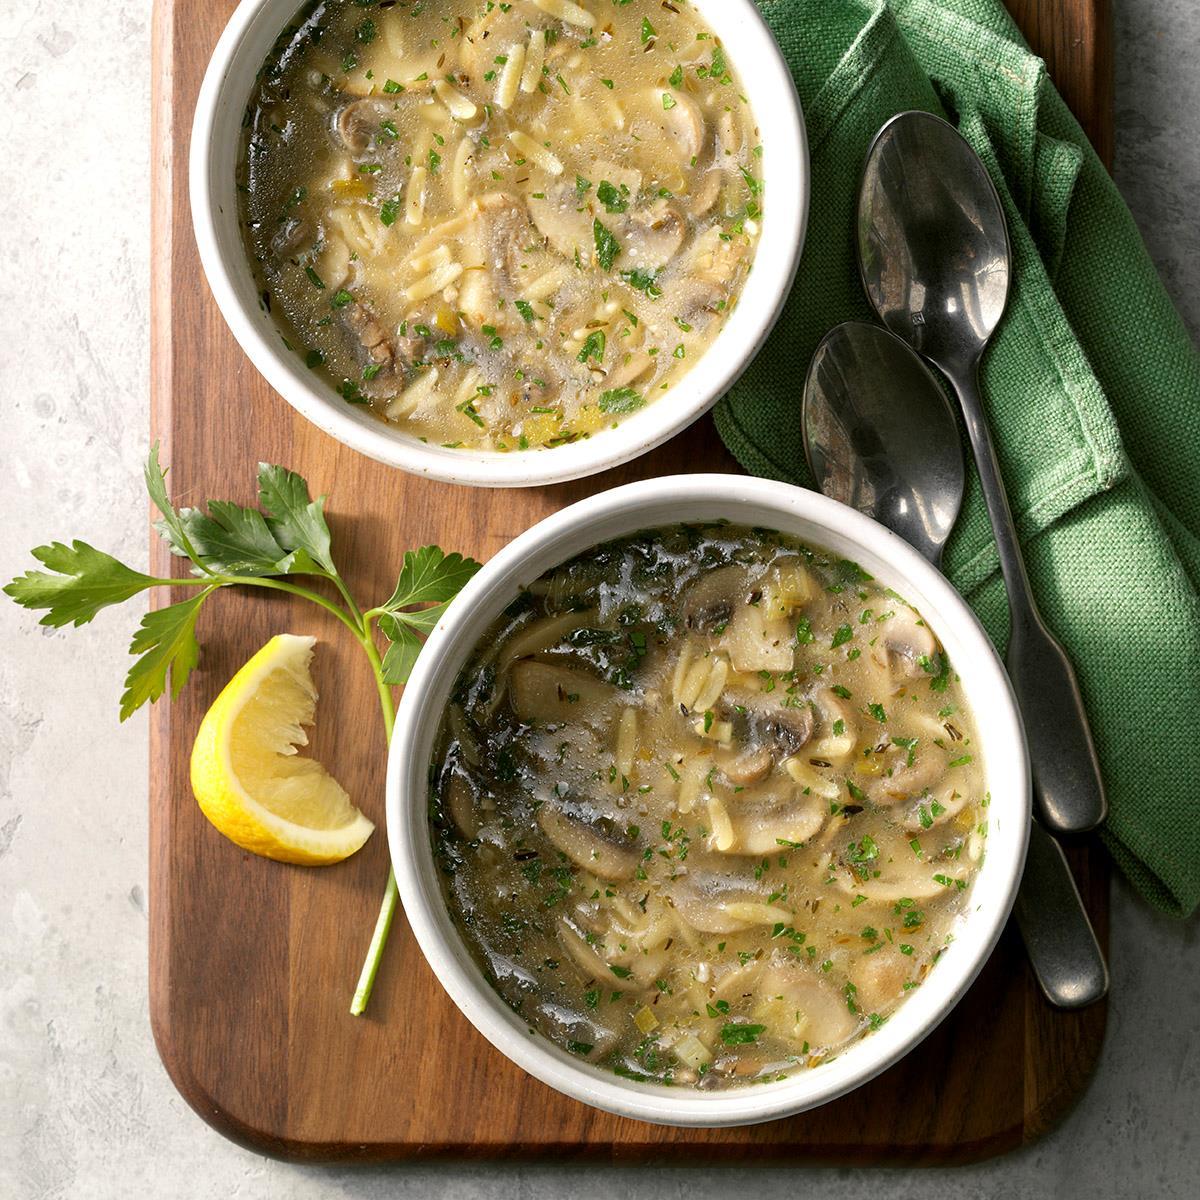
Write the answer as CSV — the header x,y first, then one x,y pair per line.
x,y
252,963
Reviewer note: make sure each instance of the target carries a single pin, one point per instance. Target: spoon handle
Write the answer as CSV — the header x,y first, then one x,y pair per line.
x,y
1066,772
1059,939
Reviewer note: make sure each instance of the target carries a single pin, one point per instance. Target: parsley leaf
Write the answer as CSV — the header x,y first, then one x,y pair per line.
x,y
171,527
741,1035
86,580
166,642
232,540
620,400
296,520
593,346
429,576
611,198
643,281
403,648
607,246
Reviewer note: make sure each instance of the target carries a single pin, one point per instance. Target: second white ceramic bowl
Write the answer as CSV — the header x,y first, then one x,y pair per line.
x,y
216,141
749,502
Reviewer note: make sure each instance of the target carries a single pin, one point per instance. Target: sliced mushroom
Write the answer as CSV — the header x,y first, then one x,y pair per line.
x,y
547,693
581,950
695,297
568,1027
560,219
904,781
942,805
357,123
371,335
879,978
747,768
460,804
763,719
885,869
710,601
906,643
679,118
773,816
707,193
713,899
839,728
757,641
654,237
589,839
727,136
290,236
629,370
543,634
805,1005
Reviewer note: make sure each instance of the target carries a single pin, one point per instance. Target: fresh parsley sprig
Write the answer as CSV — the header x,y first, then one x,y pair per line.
x,y
228,545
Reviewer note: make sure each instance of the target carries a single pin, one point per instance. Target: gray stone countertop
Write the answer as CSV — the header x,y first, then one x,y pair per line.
x,y
86,1109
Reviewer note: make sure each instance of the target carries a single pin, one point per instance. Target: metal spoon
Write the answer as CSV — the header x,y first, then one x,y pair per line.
x,y
935,261
881,437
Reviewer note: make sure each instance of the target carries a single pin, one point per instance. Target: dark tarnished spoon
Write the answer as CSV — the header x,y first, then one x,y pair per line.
x,y
881,437
936,264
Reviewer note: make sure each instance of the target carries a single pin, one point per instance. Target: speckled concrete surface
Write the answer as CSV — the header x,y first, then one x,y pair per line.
x,y
85,1109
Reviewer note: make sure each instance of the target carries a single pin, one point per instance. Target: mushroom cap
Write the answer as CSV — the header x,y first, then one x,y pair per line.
x,y
561,220
711,599
653,236
818,1013
549,693
357,122
589,839
774,815
714,890
906,643
759,718
681,124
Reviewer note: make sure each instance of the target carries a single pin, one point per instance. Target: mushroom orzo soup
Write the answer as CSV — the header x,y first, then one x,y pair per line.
x,y
707,804
500,225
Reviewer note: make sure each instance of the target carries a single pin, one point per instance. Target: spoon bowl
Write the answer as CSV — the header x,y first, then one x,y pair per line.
x,y
880,435
934,253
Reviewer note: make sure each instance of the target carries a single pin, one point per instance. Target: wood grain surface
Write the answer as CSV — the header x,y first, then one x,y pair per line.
x,y
252,963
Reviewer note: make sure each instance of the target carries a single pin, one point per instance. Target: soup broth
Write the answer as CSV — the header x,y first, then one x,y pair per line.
x,y
707,805
500,226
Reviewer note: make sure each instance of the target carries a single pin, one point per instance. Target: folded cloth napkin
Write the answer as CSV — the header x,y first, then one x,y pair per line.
x,y
1092,387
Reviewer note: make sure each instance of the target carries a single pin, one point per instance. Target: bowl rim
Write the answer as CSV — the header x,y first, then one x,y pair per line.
x,y
684,499
786,169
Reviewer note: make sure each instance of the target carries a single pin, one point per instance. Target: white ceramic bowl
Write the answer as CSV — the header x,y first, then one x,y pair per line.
x,y
216,135
751,502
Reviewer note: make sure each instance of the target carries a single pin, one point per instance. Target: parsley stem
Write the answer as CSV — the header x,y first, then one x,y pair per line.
x,y
387,907
350,604
296,590
370,967
386,703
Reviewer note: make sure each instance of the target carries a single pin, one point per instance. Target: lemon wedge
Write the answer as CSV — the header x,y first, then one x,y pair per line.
x,y
248,778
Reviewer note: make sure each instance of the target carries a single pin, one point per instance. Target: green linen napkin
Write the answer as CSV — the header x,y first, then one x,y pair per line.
x,y
1092,386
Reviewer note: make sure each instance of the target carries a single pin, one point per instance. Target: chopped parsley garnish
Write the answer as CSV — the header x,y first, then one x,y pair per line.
x,y
607,246
733,1034
611,197
643,281
620,400
593,347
